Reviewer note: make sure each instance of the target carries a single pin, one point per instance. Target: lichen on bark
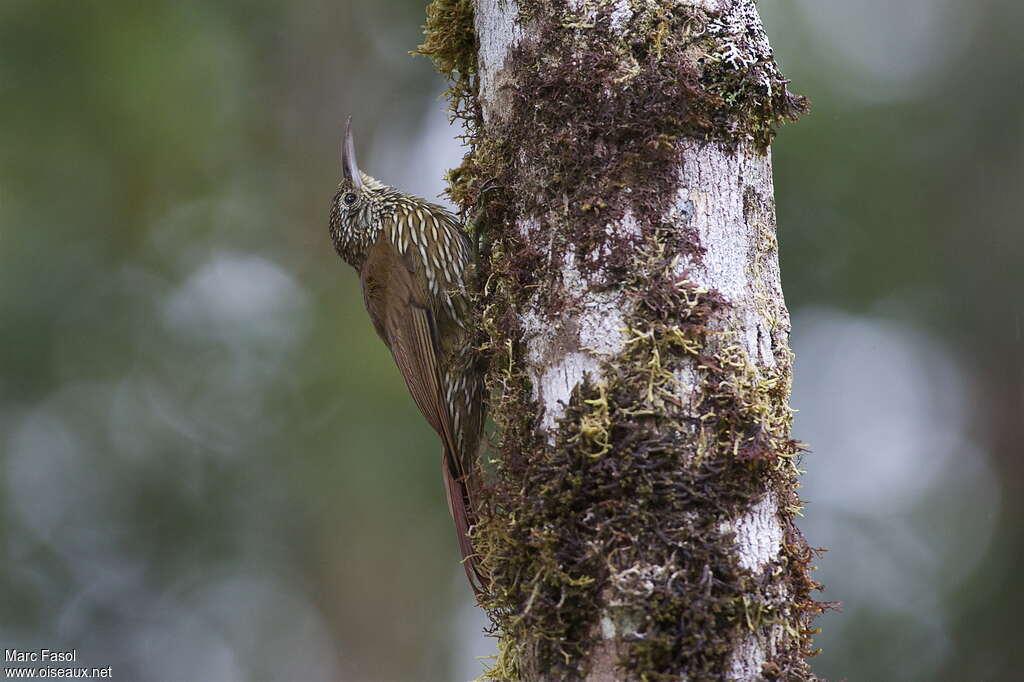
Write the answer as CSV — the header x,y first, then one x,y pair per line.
x,y
640,520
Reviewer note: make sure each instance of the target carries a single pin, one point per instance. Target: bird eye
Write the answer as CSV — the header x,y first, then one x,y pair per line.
x,y
349,198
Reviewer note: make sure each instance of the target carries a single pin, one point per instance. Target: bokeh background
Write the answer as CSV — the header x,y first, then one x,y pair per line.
x,y
209,466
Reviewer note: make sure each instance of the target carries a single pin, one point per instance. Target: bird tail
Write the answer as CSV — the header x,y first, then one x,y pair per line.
x,y
457,486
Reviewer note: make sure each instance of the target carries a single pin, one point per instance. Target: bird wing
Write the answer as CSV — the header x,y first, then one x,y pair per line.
x,y
398,306
396,298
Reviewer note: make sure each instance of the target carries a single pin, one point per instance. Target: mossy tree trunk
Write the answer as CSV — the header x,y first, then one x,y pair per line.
x,y
641,520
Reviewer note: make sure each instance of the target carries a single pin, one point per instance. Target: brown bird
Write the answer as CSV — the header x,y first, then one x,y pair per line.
x,y
415,261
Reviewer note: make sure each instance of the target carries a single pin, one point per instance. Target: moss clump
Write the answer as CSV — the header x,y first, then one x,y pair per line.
x,y
756,400
450,41
750,98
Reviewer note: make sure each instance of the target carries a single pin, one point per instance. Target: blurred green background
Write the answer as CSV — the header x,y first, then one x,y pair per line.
x,y
209,466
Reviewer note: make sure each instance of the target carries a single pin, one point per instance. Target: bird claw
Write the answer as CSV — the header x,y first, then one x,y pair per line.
x,y
488,186
475,222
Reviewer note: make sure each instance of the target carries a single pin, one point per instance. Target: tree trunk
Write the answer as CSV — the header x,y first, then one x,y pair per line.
x,y
641,519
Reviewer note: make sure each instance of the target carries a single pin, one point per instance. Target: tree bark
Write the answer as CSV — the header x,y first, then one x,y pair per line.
x,y
641,521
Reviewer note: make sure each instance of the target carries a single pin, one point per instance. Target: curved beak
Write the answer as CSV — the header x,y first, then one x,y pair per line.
x,y
348,157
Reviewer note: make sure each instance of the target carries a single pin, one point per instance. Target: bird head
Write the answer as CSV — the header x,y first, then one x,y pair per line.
x,y
356,209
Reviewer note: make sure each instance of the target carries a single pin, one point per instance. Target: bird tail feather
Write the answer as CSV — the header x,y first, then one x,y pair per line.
x,y
456,488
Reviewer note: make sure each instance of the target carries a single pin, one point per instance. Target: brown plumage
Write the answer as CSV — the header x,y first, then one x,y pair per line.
x,y
414,261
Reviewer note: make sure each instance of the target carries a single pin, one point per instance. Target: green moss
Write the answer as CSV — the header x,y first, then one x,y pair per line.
x,y
450,42
621,522
450,37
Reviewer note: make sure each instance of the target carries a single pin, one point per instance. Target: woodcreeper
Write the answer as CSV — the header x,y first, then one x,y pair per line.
x,y
415,261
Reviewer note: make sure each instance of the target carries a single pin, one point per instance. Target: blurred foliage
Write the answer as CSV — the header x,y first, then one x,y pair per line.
x,y
210,467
